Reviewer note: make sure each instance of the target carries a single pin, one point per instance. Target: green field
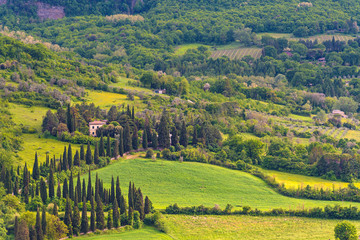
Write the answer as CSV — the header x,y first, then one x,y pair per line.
x,y
181,49
146,233
237,53
28,116
250,228
125,83
294,181
189,184
321,38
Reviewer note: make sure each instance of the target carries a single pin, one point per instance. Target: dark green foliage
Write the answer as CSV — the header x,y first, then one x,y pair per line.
x,y
100,218
135,139
154,140
43,221
76,219
108,147
55,209
121,143
144,140
130,220
84,218
96,154
116,149
118,191
38,227
51,182
69,119
16,226
148,205
131,196
83,195
88,157
345,231
65,160
71,187
184,135
58,191
77,158
70,157
164,132
65,189
122,205
78,187
174,137
23,231
89,191
36,170
127,138
50,122
92,216
43,190
102,147
116,214
68,217
109,220
112,194
82,152
139,203
195,136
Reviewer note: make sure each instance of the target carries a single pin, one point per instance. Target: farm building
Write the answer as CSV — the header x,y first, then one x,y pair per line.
x,y
339,113
160,91
95,125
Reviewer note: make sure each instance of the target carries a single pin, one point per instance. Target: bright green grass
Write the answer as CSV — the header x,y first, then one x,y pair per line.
x,y
32,143
144,233
352,134
298,117
247,136
250,228
275,35
233,45
181,49
28,116
189,184
123,82
294,181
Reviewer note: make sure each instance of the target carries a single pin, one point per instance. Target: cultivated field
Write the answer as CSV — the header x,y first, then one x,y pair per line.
x,y
294,181
250,228
189,184
320,38
237,53
181,49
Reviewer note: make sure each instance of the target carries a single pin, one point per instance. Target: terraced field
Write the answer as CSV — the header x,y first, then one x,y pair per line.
x,y
237,53
321,38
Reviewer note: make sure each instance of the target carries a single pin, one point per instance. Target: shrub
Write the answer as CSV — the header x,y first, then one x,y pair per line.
x,y
166,153
149,153
345,231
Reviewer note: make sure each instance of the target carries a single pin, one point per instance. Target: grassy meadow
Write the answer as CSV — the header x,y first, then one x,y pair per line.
x,y
189,184
146,233
28,116
250,228
181,49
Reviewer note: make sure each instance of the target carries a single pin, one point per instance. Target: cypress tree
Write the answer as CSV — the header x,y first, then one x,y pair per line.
x,y
116,149
69,120
130,220
88,154
148,130
70,157
25,188
68,217
100,219
144,140
43,221
121,143
135,139
195,136
139,203
122,204
32,233
128,112
78,187
92,216
118,190
96,154
58,192
148,205
77,158
65,160
38,228
133,113
174,136
109,220
97,188
36,170
71,187
16,226
154,140
127,138
130,196
89,193
65,189
102,147
83,195
23,231
164,134
51,182
76,219
82,152
43,190
116,214
55,209
184,135
16,186
108,146
84,218
112,194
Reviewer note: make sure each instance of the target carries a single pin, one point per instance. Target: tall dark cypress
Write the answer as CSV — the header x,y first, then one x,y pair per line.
x,y
38,228
144,140
184,135
69,119
121,143
71,187
116,149
55,209
97,188
23,231
133,113
76,218
127,138
122,205
164,133
135,139
109,220
36,170
102,147
89,193
154,140
83,195
43,221
65,161
84,218
130,220
51,182
68,217
78,187
139,203
43,190
65,189
100,218
148,130
58,192
25,186
195,137
92,216
116,214
88,155
70,157
130,196
108,146
118,190
174,136
96,154
16,226
16,186
82,152
77,158
148,205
